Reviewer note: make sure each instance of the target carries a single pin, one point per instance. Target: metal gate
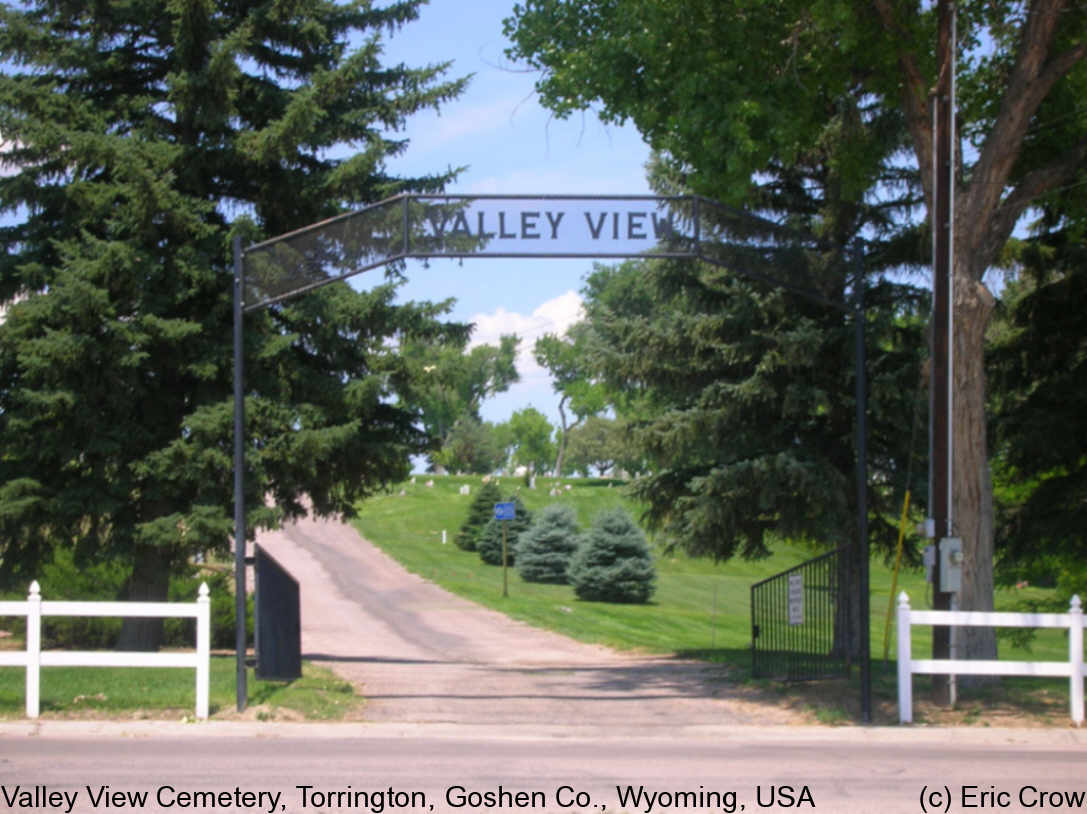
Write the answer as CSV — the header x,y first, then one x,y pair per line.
x,y
277,620
801,629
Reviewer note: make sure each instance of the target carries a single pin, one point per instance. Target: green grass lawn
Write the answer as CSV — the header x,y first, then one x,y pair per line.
x,y
700,608
161,692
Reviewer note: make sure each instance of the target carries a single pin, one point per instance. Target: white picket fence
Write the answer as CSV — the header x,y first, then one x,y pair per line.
x,y
908,666
34,658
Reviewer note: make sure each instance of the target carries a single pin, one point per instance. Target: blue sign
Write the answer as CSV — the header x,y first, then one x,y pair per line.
x,y
505,511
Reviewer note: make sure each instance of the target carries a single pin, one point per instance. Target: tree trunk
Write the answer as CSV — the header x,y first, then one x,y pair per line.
x,y
562,438
972,489
149,582
847,607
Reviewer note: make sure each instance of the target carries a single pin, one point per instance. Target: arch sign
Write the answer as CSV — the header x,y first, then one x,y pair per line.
x,y
412,226
521,226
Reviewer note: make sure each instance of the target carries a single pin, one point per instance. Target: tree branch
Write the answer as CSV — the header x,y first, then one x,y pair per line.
x,y
1031,187
1030,82
915,94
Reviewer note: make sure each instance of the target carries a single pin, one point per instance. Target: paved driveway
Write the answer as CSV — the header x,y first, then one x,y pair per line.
x,y
422,655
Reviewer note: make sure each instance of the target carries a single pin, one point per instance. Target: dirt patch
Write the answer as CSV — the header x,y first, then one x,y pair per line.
x,y
837,703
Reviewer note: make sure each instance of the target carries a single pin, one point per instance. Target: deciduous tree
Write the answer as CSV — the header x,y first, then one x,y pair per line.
x,y
531,432
456,381
566,359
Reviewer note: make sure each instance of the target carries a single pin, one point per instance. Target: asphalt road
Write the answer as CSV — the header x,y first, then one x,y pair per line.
x,y
304,768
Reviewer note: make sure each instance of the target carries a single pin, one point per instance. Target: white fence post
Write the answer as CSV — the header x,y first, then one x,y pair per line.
x,y
33,650
905,655
203,650
1075,655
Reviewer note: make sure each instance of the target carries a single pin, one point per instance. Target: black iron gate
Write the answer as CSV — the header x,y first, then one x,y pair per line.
x,y
802,627
277,620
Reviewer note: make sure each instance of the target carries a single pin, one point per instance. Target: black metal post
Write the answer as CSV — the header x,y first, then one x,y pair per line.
x,y
239,477
942,221
863,553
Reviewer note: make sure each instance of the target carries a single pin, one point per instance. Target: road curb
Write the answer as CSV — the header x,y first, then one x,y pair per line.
x,y
485,732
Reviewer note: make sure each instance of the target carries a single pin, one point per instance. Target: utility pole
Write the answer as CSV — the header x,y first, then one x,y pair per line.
x,y
943,106
240,636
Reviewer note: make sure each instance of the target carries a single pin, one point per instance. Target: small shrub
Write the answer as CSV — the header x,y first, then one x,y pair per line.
x,y
544,551
613,563
64,578
181,632
489,543
479,512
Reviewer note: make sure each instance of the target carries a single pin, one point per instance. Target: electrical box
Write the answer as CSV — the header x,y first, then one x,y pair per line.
x,y
929,559
951,565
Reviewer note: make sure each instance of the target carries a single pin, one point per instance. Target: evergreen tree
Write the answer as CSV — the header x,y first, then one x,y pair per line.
x,y
143,136
544,550
489,543
612,562
751,426
1038,370
480,511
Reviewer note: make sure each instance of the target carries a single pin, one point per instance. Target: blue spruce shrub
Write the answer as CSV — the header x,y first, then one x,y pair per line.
x,y
544,551
613,563
480,511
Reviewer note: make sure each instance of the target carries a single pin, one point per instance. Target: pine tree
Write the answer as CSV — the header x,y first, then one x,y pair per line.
x,y
544,551
613,563
140,138
489,543
480,511
1038,368
752,421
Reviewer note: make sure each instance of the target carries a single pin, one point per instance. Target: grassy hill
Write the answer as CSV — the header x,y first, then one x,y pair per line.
x,y
700,607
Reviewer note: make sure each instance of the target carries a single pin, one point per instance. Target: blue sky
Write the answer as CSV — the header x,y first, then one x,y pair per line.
x,y
509,144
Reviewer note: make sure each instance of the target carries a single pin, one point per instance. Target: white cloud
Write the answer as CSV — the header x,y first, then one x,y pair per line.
x,y
553,316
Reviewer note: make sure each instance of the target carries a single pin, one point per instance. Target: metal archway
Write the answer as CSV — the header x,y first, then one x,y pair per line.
x,y
416,226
